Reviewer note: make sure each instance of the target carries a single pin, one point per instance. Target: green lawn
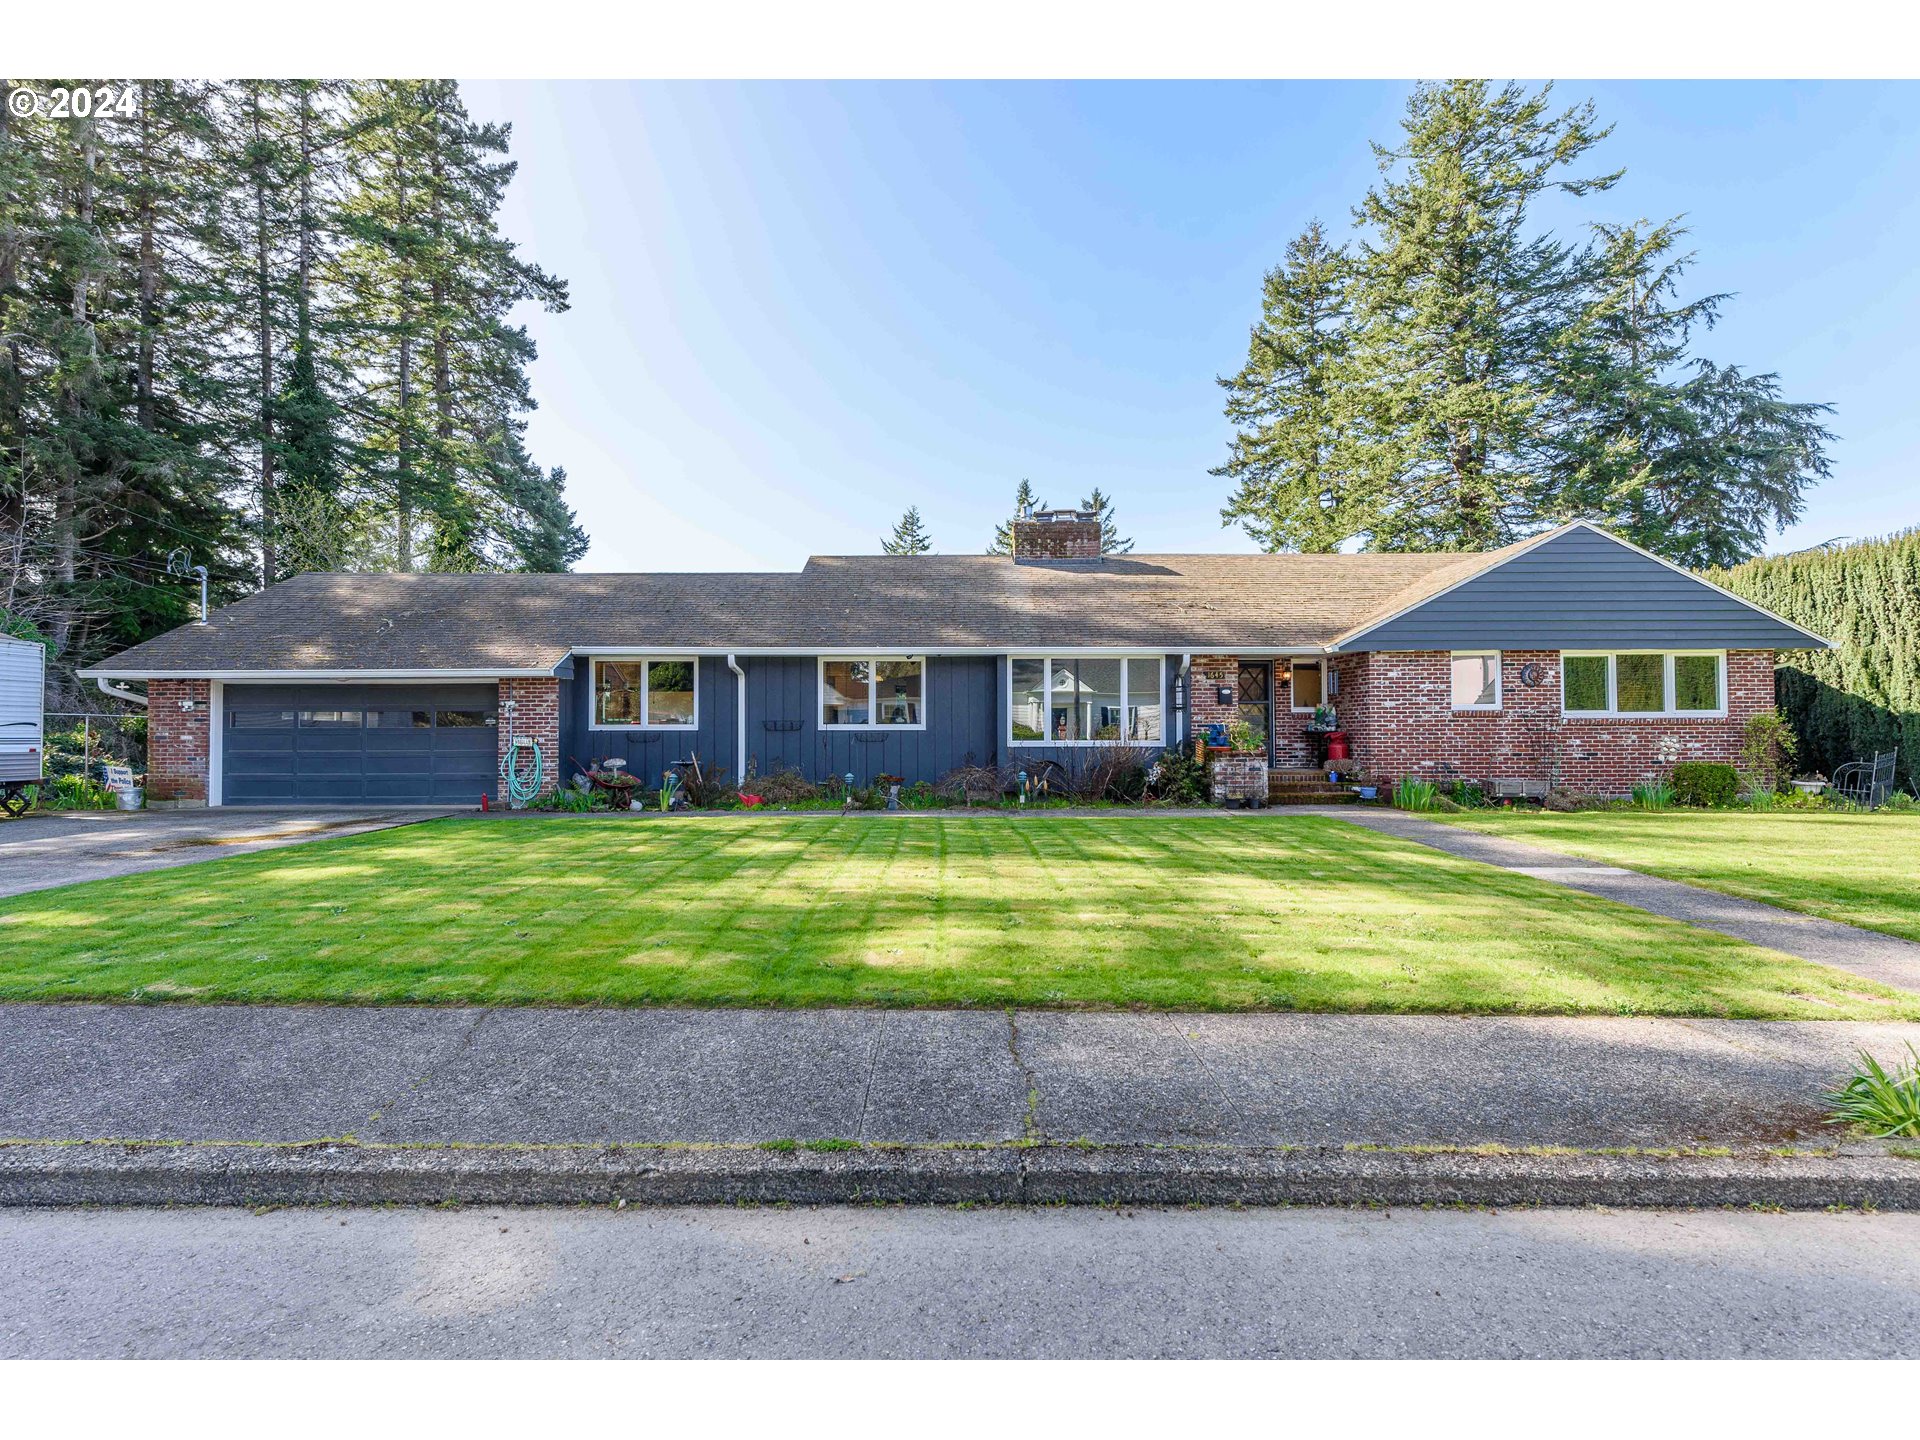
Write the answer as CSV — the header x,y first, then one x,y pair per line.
x,y
1858,868
1207,913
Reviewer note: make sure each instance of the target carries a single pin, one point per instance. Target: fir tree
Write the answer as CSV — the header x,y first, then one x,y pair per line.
x,y
1459,310
1291,407
1025,502
1691,460
909,535
1101,507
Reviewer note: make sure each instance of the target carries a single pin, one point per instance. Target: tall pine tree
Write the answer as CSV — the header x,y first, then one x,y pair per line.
x,y
1025,502
1100,505
909,535
1291,407
1460,308
1694,461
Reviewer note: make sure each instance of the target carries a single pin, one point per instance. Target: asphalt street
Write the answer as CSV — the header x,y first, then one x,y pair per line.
x,y
935,1283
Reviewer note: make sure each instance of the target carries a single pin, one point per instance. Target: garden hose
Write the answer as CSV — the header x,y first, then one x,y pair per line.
x,y
520,792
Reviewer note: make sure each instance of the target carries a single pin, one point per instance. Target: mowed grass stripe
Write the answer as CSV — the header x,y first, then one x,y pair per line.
x,y
1169,912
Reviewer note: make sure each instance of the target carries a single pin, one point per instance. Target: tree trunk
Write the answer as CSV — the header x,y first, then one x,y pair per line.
x,y
403,443
149,268
264,298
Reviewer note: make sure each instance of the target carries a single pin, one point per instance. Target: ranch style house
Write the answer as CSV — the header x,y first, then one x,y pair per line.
x,y
1572,658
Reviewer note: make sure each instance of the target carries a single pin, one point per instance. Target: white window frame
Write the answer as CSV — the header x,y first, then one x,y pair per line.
x,y
1613,712
872,722
594,722
1499,681
1046,681
1312,662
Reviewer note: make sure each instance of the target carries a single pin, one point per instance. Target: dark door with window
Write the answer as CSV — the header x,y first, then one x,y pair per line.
x,y
360,744
1256,698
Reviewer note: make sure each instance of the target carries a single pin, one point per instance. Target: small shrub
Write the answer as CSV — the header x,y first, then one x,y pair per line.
x,y
976,784
1465,794
1879,1102
1410,793
1566,802
1117,773
1768,748
1702,783
1900,802
1653,795
571,801
1177,778
705,786
785,787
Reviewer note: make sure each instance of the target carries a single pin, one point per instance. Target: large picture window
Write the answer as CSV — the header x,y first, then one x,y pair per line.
x,y
1643,682
1086,699
649,694
872,691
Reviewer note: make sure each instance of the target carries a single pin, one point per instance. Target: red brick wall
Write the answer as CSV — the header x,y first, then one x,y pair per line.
x,y
177,740
536,715
1204,680
1398,707
1036,539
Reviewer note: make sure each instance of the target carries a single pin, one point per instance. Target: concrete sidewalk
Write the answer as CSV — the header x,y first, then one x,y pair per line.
x,y
1886,959
528,1077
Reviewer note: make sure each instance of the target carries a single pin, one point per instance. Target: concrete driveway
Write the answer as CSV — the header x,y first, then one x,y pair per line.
x,y
46,849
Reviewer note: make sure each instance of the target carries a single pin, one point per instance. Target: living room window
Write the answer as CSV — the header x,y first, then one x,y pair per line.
x,y
1086,699
1476,679
873,691
660,694
1643,683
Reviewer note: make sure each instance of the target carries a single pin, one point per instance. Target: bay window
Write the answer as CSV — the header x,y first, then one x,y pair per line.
x,y
1643,682
1086,699
872,691
646,694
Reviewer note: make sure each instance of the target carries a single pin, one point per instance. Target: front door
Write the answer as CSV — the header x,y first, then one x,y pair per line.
x,y
1256,698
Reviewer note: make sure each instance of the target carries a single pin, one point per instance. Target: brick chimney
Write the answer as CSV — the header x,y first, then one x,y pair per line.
x,y
1057,535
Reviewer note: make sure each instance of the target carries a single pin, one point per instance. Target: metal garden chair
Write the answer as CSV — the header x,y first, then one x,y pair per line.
x,y
1866,782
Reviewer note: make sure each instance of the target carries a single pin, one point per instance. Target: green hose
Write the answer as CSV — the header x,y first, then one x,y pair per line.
x,y
521,792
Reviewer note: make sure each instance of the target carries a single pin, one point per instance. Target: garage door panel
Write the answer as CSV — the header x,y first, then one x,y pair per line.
x,y
353,744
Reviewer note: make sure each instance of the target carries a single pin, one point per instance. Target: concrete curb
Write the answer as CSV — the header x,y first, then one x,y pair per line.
x,y
51,1174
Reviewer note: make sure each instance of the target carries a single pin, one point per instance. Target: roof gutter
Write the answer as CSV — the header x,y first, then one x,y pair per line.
x,y
740,717
120,692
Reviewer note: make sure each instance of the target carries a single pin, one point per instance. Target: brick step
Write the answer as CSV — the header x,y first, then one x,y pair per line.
x,y
1297,774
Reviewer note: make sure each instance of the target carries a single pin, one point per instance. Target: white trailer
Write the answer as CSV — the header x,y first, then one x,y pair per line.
x,y
23,679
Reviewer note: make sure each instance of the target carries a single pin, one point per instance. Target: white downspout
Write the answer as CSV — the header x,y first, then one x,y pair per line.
x,y
740,717
120,692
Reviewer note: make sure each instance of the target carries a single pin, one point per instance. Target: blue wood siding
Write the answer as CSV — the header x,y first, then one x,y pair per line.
x,y
1582,590
784,730
966,710
649,752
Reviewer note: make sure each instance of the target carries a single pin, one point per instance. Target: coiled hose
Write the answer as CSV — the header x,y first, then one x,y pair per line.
x,y
522,792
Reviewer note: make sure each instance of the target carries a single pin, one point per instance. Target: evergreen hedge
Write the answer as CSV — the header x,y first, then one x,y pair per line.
x,y
1863,696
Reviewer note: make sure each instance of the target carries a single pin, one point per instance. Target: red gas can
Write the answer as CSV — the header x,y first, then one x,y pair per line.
x,y
1337,746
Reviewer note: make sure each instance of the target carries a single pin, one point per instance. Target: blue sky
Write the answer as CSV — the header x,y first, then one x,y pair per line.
x,y
798,308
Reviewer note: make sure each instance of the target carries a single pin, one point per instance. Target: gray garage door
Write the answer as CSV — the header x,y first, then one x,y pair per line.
x,y
367,744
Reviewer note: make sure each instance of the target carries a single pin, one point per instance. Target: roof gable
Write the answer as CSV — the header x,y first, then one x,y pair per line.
x,y
1577,587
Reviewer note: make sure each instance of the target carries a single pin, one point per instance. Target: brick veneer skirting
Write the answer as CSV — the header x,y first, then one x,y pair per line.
x,y
1398,707
1237,776
177,741
536,715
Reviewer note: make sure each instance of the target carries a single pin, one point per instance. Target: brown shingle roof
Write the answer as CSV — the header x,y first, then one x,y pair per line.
x,y
494,623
